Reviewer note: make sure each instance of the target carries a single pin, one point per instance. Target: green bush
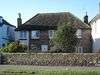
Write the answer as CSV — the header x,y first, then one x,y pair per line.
x,y
14,48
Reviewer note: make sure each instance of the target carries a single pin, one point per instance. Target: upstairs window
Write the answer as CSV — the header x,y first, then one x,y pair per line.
x,y
23,34
35,34
79,33
51,33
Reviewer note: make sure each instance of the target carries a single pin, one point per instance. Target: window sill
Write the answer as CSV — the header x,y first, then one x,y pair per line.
x,y
22,39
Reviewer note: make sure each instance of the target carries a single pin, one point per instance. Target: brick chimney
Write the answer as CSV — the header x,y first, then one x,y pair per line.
x,y
19,20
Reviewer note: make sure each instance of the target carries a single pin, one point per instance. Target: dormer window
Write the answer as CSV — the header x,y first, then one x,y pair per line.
x,y
35,34
79,33
51,33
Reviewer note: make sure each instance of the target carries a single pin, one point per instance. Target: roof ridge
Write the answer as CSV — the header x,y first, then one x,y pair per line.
x,y
54,13
7,23
53,19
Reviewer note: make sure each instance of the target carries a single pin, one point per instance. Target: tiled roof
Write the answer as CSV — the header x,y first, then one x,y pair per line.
x,y
55,19
6,23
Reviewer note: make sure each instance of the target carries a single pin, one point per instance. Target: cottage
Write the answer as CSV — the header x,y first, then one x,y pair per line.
x,y
6,32
37,31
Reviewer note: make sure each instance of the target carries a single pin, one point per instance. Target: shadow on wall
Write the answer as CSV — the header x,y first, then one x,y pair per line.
x,y
96,46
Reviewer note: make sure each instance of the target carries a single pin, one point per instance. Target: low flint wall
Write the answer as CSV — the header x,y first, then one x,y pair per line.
x,y
51,59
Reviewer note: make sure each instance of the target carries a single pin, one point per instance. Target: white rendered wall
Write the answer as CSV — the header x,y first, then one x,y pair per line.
x,y
3,30
4,34
96,35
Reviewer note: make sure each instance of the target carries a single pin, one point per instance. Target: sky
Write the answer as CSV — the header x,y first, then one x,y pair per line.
x,y
9,9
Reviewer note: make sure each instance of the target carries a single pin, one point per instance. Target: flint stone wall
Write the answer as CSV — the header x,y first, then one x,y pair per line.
x,y
51,59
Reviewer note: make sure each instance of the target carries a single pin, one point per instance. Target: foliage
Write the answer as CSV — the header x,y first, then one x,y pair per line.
x,y
64,39
14,47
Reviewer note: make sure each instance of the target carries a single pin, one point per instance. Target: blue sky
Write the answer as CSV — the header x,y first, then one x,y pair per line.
x,y
9,9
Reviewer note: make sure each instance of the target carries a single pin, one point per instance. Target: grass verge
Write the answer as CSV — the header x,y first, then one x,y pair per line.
x,y
36,70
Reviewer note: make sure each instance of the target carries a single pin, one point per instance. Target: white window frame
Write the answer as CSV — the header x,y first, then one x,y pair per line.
x,y
79,33
51,34
35,34
23,42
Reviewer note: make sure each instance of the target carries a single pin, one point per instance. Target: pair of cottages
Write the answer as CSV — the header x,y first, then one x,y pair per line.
x,y
37,31
7,32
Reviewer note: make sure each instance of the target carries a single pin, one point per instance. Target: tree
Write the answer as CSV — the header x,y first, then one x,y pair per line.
x,y
64,39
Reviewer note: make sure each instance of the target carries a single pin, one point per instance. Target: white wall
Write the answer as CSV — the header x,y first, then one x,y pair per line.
x,y
96,35
3,30
3,34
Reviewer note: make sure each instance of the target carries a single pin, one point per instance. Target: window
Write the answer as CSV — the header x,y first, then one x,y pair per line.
x,y
23,34
23,42
79,49
79,33
51,33
35,34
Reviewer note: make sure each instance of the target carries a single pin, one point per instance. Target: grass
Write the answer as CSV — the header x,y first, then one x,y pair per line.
x,y
41,70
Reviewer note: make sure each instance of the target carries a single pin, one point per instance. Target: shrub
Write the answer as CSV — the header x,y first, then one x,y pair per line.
x,y
14,47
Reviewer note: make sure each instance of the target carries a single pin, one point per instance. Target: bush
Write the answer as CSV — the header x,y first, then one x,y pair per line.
x,y
14,47
56,49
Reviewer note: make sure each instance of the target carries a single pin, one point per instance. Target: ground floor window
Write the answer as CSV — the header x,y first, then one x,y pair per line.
x,y
34,47
44,48
24,42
